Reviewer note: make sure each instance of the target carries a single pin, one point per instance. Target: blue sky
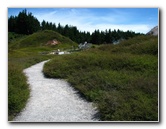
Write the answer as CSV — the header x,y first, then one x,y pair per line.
x,y
88,19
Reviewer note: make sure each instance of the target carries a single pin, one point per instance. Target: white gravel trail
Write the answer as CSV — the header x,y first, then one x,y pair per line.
x,y
53,100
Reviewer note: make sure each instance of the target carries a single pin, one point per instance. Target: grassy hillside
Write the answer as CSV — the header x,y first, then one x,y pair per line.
x,y
24,51
40,38
121,79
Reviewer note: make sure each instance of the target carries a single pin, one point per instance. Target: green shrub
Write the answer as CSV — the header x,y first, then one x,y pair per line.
x,y
18,90
137,45
123,82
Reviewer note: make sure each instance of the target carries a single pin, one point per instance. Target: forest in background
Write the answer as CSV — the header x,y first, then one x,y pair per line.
x,y
26,23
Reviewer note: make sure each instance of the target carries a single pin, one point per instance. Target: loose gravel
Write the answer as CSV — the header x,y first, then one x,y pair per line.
x,y
54,100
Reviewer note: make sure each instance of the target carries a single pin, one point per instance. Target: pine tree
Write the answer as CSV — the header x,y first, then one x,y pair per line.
x,y
43,25
12,24
27,24
23,23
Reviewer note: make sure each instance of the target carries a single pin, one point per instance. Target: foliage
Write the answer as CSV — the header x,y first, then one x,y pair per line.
x,y
18,90
123,83
97,37
27,24
13,36
23,23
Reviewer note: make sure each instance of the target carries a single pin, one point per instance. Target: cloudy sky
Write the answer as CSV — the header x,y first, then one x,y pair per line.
x,y
88,19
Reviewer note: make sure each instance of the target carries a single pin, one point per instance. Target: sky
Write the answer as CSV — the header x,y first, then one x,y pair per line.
x,y
89,19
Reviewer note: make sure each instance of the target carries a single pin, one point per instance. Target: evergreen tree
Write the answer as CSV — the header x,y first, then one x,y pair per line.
x,y
110,40
66,31
27,24
33,24
60,28
54,27
96,37
43,25
12,24
23,23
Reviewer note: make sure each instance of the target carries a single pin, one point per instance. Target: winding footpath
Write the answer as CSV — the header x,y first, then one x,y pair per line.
x,y
53,100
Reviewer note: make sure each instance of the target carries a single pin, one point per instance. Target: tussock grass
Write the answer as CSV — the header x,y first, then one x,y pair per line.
x,y
121,79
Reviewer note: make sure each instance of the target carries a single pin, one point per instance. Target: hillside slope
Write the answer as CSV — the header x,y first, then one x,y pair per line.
x,y
41,38
121,79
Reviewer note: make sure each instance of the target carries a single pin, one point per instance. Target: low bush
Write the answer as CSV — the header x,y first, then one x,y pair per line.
x,y
124,84
18,90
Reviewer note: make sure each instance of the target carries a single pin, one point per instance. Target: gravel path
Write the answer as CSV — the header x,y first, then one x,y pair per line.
x,y
53,100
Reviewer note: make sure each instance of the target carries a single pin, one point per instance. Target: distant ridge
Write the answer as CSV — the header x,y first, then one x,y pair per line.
x,y
153,31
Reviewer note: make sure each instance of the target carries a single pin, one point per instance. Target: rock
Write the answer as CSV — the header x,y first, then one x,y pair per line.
x,y
153,31
52,42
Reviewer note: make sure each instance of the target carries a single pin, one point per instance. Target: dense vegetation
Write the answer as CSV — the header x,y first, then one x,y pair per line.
x,y
23,23
121,79
23,52
97,37
26,23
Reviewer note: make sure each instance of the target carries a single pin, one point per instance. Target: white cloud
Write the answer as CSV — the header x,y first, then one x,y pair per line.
x,y
85,20
142,28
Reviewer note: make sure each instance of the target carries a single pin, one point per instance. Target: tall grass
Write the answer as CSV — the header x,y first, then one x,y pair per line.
x,y
123,82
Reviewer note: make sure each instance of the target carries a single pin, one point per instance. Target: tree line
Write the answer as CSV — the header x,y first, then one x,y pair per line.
x,y
26,23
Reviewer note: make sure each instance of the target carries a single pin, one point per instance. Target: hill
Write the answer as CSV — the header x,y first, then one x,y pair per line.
x,y
24,51
121,79
41,38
